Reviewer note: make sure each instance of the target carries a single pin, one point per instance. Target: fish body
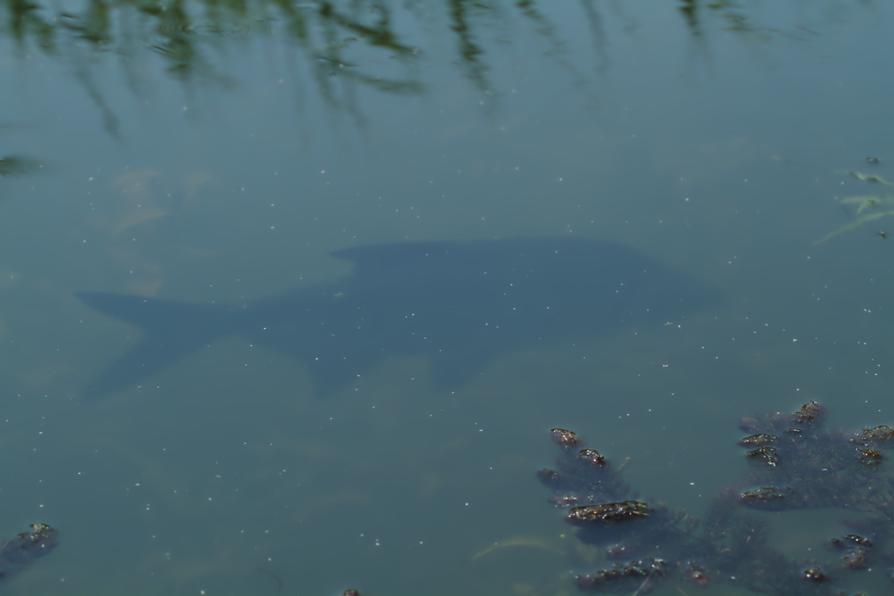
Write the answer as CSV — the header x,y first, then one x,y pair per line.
x,y
460,305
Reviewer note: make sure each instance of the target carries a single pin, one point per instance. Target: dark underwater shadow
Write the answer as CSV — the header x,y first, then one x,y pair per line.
x,y
458,305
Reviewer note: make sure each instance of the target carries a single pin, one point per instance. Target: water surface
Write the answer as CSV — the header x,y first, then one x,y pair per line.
x,y
218,153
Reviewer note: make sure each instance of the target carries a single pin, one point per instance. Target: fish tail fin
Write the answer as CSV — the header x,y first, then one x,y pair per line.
x,y
170,331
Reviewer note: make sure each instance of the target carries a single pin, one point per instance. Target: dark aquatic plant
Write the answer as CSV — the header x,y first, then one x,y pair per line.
x,y
808,467
20,552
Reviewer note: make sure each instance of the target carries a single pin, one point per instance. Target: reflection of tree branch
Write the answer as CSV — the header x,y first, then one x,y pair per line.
x,y
109,119
24,17
393,86
94,27
176,45
380,35
178,32
327,65
736,19
294,17
690,11
546,29
176,37
16,165
597,30
468,49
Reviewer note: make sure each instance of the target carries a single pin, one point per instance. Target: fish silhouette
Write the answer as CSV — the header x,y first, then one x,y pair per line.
x,y
460,305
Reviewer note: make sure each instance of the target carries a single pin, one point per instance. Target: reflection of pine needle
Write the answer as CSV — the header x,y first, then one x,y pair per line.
x,y
13,165
873,178
642,585
533,542
854,225
863,202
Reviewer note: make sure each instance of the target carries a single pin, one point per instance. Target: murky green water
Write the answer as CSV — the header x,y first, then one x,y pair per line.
x,y
217,153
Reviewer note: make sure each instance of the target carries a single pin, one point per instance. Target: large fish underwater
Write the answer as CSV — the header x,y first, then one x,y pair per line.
x,y
460,305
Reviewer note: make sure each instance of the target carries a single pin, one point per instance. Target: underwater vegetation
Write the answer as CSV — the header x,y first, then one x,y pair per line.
x,y
796,464
866,208
25,548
